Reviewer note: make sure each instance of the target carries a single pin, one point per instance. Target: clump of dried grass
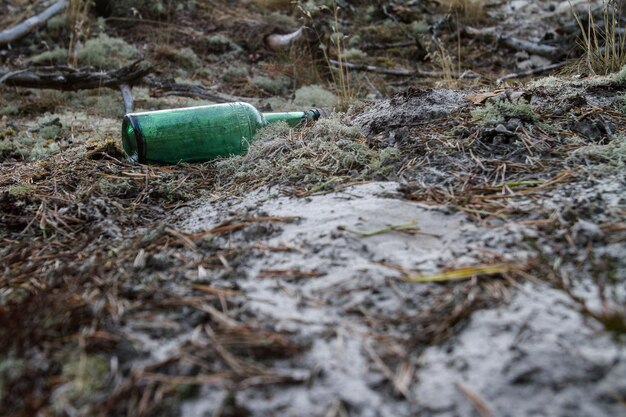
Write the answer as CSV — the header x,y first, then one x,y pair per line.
x,y
603,42
469,11
328,151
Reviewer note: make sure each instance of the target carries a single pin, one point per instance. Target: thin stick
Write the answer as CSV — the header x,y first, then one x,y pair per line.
x,y
530,72
30,24
477,402
127,97
400,72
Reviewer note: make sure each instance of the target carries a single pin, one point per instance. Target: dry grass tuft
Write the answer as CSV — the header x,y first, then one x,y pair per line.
x,y
603,42
468,11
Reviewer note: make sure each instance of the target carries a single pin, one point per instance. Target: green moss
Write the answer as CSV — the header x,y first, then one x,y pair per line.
x,y
10,109
116,188
220,44
383,164
54,56
86,374
106,52
280,20
106,104
44,149
11,369
184,58
620,76
188,59
17,145
274,86
173,191
146,9
50,132
419,28
9,149
494,113
56,25
388,32
278,104
235,73
37,143
21,190
354,55
611,157
354,41
564,86
620,103
314,96
316,7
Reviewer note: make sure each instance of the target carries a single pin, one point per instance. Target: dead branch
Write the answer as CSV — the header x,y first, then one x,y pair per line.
x,y
127,97
30,24
530,47
515,43
71,79
530,72
400,72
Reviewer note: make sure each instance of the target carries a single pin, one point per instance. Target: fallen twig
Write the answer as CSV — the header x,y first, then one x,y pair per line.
x,y
127,97
220,292
30,24
186,379
232,226
401,387
400,72
477,402
288,273
534,71
409,228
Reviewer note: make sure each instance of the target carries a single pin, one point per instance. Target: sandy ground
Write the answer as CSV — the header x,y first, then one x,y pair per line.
x,y
534,355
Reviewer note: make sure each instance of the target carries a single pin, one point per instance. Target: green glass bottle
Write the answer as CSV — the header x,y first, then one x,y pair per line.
x,y
198,133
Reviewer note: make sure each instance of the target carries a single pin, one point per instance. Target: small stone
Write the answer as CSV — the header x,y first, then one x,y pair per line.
x,y
502,129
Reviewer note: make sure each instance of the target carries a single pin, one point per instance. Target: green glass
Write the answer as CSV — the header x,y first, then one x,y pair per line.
x,y
198,133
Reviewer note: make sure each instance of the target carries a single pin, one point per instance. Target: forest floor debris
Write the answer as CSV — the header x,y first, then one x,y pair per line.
x,y
290,281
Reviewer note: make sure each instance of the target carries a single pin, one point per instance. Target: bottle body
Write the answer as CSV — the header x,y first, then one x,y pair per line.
x,y
197,133
190,134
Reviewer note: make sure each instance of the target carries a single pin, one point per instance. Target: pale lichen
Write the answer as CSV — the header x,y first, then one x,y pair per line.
x,y
328,151
315,96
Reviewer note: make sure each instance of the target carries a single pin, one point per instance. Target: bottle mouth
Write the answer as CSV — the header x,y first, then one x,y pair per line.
x,y
317,113
132,142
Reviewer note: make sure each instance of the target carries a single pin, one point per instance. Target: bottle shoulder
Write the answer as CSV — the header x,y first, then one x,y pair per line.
x,y
254,116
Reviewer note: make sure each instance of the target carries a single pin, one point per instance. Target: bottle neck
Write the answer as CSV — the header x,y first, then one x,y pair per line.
x,y
293,118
